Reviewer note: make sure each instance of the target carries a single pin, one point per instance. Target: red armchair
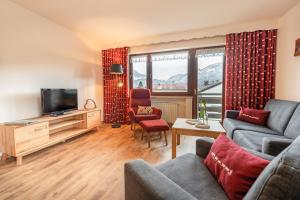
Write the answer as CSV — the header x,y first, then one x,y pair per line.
x,y
141,97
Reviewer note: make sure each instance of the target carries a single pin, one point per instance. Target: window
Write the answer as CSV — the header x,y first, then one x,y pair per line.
x,y
139,71
190,72
210,64
169,72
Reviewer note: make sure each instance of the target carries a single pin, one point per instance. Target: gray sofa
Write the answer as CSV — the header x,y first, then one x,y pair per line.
x,y
187,178
283,126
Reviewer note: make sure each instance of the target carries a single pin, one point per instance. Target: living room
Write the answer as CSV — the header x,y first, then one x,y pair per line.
x,y
133,99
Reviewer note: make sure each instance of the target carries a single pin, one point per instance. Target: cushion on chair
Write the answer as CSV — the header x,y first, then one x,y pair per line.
x,y
190,173
281,112
139,118
231,125
293,129
144,110
281,178
251,139
224,162
155,125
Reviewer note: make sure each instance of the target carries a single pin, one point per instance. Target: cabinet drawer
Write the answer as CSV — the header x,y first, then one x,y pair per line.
x,y
93,119
31,136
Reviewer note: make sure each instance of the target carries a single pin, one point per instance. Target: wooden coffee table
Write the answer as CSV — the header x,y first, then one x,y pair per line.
x,y
180,127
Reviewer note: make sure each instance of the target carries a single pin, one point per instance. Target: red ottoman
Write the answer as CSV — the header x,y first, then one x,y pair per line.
x,y
157,125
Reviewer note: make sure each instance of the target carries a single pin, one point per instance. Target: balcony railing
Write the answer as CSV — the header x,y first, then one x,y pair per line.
x,y
213,104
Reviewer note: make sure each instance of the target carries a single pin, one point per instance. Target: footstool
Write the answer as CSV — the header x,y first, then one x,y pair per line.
x,y
157,125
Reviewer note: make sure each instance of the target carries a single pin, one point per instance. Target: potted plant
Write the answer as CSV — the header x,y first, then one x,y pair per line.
x,y
203,112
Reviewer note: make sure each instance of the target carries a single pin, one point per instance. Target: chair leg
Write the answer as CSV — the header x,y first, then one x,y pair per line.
x,y
165,133
148,137
159,134
142,134
131,127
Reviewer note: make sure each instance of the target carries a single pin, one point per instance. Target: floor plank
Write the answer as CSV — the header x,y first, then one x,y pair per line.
x,y
87,167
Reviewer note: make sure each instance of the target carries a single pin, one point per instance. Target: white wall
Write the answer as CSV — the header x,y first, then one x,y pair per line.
x,y
288,66
36,53
198,33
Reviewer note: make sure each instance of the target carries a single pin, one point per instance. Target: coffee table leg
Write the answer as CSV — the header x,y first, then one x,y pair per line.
x,y
173,144
178,139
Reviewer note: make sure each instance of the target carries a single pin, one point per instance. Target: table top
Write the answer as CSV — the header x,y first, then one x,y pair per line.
x,y
215,126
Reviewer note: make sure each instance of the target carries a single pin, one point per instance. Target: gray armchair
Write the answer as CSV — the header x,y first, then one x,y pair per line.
x,y
186,177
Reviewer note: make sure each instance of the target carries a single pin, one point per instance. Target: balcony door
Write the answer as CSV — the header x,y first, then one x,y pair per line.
x,y
210,69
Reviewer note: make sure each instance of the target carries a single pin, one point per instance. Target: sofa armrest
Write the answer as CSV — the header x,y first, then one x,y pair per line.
x,y
233,114
145,182
260,154
273,146
157,112
203,146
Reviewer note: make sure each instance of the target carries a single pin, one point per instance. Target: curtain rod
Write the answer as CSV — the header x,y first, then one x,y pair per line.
x,y
177,41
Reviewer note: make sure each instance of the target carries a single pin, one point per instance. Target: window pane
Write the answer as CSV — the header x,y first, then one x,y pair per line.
x,y
169,72
139,71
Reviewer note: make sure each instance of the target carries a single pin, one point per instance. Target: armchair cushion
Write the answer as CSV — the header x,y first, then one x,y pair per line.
x,y
190,173
139,118
144,110
132,112
145,182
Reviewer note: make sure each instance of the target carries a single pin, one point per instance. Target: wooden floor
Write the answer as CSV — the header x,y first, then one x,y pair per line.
x,y
87,167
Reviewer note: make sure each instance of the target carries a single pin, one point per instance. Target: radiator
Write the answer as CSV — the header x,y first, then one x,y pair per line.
x,y
169,110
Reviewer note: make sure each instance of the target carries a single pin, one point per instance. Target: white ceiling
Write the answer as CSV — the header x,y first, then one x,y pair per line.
x,y
111,21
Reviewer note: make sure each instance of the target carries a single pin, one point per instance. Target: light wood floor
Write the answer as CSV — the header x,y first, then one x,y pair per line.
x,y
87,167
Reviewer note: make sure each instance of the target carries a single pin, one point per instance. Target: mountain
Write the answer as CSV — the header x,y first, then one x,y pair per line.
x,y
178,78
138,75
210,75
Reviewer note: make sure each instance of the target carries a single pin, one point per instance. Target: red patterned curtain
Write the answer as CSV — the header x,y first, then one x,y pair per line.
x,y
111,91
250,69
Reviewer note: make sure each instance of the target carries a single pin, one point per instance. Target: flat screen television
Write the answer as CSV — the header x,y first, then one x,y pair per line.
x,y
58,101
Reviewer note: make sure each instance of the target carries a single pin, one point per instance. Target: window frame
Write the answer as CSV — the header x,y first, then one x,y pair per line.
x,y
192,75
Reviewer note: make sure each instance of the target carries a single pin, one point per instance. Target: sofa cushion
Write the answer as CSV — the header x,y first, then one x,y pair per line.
x,y
190,173
254,116
231,125
293,129
224,161
251,139
281,112
281,178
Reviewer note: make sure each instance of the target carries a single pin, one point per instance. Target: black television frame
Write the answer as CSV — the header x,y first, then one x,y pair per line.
x,y
61,112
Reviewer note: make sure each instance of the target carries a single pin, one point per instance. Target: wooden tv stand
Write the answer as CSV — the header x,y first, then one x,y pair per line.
x,y
22,140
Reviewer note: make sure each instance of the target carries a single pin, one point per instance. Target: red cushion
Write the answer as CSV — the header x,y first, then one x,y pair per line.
x,y
254,116
155,125
235,168
139,118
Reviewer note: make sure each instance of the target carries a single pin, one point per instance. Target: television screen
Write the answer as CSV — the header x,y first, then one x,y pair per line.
x,y
59,100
